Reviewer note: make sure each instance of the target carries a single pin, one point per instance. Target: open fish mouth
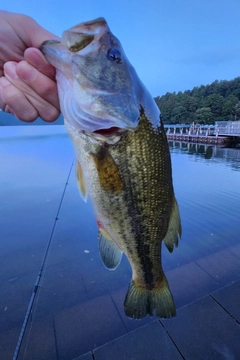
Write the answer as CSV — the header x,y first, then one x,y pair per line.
x,y
108,132
108,135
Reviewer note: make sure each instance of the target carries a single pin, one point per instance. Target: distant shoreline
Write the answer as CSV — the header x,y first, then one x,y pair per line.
x,y
10,120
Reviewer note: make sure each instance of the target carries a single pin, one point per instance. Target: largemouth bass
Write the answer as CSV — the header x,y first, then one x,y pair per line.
x,y
123,160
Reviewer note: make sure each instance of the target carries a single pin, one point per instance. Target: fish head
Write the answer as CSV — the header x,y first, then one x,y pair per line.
x,y
98,87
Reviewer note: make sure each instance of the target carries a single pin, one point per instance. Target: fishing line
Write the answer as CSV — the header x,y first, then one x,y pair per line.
x,y
37,282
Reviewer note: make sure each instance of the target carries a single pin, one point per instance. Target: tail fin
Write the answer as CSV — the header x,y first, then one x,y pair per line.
x,y
140,301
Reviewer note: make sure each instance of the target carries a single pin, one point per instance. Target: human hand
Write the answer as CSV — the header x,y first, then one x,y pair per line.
x,y
27,84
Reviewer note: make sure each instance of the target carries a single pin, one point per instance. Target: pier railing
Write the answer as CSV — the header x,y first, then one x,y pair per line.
x,y
220,128
193,129
227,127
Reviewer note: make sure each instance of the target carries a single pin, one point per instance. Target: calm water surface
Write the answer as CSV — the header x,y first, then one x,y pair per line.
x,y
206,182
76,295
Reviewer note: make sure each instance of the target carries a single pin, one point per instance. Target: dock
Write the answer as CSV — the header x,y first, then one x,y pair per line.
x,y
58,302
225,133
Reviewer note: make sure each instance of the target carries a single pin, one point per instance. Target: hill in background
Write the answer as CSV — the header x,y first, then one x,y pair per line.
x,y
205,104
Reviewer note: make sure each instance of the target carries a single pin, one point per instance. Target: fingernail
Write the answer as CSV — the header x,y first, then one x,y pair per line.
x,y
35,58
10,70
26,72
38,61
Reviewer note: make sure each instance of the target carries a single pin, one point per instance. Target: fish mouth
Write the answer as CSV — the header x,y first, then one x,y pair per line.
x,y
108,135
114,130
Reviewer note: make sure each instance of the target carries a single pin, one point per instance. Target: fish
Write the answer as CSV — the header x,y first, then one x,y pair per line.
x,y
123,161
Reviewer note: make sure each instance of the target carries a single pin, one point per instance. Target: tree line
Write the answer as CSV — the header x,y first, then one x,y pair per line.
x,y
204,104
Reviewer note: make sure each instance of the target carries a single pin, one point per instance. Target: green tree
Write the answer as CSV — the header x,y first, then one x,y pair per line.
x,y
215,102
228,106
236,111
204,115
178,114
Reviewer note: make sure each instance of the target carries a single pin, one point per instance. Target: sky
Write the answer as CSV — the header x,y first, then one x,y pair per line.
x,y
174,45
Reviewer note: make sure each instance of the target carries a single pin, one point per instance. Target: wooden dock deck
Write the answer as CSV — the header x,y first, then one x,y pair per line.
x,y
203,139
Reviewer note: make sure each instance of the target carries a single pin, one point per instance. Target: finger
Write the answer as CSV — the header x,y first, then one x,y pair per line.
x,y
3,82
40,83
34,57
14,102
45,109
33,34
39,35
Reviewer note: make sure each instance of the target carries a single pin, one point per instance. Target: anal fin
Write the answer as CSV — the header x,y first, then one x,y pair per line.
x,y
174,228
110,254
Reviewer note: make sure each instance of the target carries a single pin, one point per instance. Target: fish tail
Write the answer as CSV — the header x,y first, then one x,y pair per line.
x,y
140,301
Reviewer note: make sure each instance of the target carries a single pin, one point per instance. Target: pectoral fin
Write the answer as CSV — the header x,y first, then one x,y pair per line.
x,y
174,228
80,181
110,253
109,176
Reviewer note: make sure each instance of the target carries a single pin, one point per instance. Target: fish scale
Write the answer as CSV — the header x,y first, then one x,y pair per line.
x,y
143,204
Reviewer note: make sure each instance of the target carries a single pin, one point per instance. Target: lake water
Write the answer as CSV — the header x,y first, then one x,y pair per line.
x,y
49,239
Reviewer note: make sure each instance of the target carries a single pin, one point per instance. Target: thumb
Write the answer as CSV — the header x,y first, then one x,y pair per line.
x,y
41,35
37,34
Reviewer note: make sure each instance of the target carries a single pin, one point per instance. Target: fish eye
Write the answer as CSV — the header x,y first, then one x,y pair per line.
x,y
114,55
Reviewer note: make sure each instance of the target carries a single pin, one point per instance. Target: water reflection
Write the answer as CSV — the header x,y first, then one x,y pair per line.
x,y
208,193
208,152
